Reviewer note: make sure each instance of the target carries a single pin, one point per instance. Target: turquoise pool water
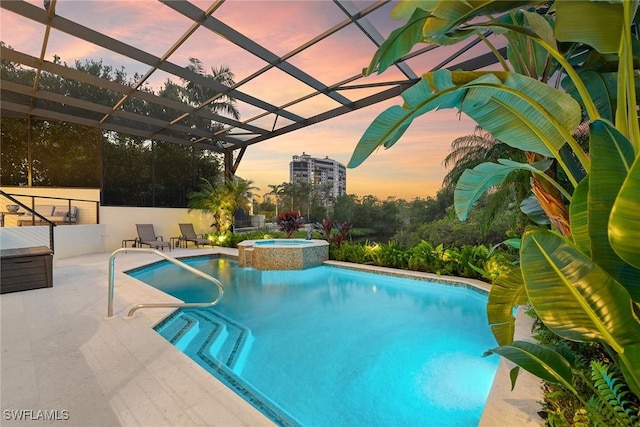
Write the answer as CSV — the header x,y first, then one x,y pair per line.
x,y
333,347
282,242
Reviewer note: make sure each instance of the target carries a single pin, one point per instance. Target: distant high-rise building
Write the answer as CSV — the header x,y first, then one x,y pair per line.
x,y
325,175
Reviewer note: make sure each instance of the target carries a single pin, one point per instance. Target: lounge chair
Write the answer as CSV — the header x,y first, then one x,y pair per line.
x,y
188,234
147,236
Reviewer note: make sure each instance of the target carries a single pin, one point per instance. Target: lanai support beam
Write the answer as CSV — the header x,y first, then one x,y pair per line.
x,y
229,172
230,166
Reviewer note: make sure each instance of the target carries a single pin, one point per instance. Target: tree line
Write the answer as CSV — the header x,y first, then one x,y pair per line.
x,y
131,171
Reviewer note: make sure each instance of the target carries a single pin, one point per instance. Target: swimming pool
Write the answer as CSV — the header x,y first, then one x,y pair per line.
x,y
332,347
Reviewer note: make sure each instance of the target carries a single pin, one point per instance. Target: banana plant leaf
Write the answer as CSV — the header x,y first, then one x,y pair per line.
x,y
541,361
632,353
514,243
399,42
507,292
611,160
448,16
576,20
474,182
531,208
571,164
521,116
574,297
520,111
526,56
579,218
602,92
624,223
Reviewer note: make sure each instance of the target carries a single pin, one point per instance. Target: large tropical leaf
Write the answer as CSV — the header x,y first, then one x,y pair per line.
x,y
541,27
570,162
442,18
611,159
518,110
524,113
531,208
578,213
507,292
525,55
399,42
573,296
600,88
631,370
543,362
474,182
576,20
443,27
624,223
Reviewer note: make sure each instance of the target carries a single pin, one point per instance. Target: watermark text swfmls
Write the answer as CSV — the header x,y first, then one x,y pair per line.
x,y
35,414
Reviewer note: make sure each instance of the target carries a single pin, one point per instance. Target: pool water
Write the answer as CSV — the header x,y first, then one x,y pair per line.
x,y
332,347
282,242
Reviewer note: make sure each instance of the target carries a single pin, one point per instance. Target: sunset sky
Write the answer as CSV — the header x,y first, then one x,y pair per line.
x,y
412,168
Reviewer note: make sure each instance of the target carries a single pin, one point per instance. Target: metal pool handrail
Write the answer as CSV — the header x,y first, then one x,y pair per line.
x,y
136,307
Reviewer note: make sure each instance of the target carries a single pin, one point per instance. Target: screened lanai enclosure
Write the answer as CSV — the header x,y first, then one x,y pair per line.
x,y
88,103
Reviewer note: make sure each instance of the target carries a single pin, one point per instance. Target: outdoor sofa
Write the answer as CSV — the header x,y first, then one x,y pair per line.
x,y
55,213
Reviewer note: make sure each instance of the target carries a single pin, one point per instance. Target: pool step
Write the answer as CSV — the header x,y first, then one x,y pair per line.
x,y
230,349
208,336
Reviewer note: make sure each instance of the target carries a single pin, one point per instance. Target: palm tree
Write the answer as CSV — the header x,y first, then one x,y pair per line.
x,y
223,200
208,198
202,96
289,191
472,150
238,195
469,151
276,191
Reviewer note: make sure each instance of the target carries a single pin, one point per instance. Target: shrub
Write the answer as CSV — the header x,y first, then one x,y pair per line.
x,y
349,252
422,257
475,262
392,255
290,222
334,232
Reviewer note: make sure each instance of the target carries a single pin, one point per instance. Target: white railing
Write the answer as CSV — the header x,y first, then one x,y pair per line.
x,y
136,307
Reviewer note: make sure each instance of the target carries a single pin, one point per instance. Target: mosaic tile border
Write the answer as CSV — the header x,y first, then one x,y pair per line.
x,y
239,341
476,286
223,371
180,258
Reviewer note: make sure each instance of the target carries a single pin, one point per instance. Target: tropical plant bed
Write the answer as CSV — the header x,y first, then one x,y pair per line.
x,y
580,272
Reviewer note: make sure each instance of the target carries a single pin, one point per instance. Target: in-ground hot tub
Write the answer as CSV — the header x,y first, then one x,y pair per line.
x,y
282,254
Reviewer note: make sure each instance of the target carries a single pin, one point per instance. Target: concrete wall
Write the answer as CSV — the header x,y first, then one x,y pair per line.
x,y
75,240
120,222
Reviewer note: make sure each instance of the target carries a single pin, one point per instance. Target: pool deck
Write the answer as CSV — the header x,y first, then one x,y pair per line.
x,y
61,354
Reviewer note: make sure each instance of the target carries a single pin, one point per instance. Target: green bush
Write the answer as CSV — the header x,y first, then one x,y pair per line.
x,y
470,261
422,258
393,255
349,252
